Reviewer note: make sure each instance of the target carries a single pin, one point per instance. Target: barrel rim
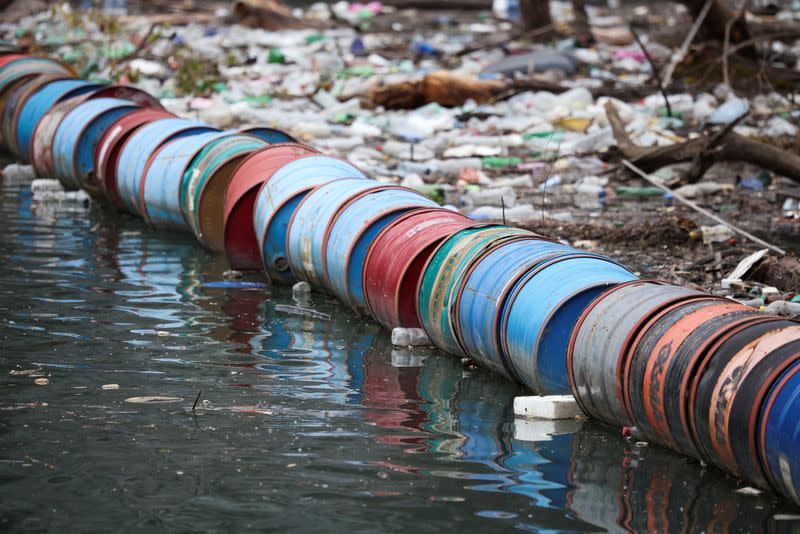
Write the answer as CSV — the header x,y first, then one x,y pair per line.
x,y
702,365
370,251
84,126
229,206
294,213
694,319
45,79
579,324
103,151
442,243
512,297
632,341
455,310
338,213
765,415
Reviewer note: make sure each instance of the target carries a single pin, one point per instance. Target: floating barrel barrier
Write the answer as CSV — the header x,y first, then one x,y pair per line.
x,y
724,380
394,262
486,285
352,230
106,156
657,348
779,434
15,103
159,193
77,136
442,276
305,238
284,188
240,204
203,186
37,104
138,148
697,373
541,311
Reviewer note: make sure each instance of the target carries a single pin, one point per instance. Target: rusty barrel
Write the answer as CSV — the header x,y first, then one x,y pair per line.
x,y
482,295
352,230
659,360
240,206
41,149
542,310
779,434
15,103
730,387
279,196
601,340
39,103
205,181
107,152
25,66
160,190
77,136
443,273
136,152
394,262
306,231
41,153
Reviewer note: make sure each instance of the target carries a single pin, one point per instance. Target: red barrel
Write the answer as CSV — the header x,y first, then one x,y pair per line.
x,y
107,153
241,244
395,260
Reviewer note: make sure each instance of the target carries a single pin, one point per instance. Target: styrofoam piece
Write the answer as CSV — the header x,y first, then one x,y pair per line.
x,y
551,407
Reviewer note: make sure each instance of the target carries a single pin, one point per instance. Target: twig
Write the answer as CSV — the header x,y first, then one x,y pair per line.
x,y
726,44
686,43
138,50
700,209
656,74
196,400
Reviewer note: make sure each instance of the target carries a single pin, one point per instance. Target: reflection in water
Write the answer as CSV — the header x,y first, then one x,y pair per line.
x,y
303,423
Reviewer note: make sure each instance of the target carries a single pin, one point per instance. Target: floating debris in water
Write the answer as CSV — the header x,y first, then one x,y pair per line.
x,y
41,381
24,372
231,284
306,312
153,400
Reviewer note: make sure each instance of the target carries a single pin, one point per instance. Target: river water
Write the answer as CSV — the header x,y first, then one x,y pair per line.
x,y
302,424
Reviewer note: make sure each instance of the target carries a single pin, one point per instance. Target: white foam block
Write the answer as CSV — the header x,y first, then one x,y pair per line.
x,y
551,407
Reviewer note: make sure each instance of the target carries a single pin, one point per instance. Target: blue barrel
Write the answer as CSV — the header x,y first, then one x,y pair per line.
x,y
78,134
278,198
486,286
353,230
270,135
41,101
160,200
543,308
779,440
305,237
138,149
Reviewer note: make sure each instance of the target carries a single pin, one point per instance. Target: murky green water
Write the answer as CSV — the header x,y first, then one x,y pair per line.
x,y
303,424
